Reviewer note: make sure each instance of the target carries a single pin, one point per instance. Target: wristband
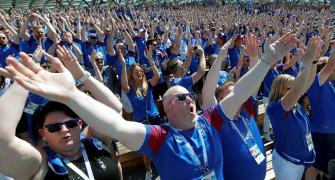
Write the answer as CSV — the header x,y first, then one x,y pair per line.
x,y
315,62
83,79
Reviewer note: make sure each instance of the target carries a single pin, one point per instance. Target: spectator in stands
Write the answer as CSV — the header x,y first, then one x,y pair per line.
x,y
140,94
321,96
294,149
239,135
161,143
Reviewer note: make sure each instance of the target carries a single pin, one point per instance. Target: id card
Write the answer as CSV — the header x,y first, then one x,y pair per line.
x,y
31,108
257,154
309,141
209,176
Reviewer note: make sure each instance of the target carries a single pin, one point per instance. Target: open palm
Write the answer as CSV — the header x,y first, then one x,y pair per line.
x,y
54,86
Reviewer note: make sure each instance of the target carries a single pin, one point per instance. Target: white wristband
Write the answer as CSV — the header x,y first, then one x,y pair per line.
x,y
83,79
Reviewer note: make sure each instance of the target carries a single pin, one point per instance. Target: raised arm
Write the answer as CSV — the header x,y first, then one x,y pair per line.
x,y
208,91
327,70
201,68
97,72
98,90
23,30
129,40
124,77
61,87
154,80
14,151
298,87
294,60
252,80
52,34
11,29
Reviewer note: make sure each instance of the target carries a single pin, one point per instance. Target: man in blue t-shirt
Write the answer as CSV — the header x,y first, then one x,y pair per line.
x,y
234,50
179,70
7,49
322,100
31,42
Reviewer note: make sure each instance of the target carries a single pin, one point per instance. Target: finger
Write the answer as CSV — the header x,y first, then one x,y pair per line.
x,y
19,67
57,64
26,83
30,63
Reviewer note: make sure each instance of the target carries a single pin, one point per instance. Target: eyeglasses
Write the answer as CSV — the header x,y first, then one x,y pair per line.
x,y
52,128
182,97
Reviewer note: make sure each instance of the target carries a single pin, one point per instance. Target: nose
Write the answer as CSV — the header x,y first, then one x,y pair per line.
x,y
64,128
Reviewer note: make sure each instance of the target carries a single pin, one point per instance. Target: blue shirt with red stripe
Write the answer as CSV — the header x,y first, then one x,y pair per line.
x,y
170,155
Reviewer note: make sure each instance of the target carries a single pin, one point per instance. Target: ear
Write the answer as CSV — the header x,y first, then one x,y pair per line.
x,y
80,124
42,133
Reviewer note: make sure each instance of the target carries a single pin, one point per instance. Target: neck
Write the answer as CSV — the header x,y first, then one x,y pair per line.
x,y
185,125
72,155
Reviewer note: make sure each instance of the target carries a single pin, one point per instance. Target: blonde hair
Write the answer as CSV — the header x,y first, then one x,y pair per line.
x,y
279,84
131,81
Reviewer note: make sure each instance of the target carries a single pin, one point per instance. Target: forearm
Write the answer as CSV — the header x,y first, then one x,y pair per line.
x,y
129,41
101,93
78,52
107,121
100,33
124,79
208,91
11,108
97,72
23,34
244,88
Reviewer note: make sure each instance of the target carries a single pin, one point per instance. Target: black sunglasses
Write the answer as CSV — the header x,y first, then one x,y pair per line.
x,y
2,37
182,97
52,128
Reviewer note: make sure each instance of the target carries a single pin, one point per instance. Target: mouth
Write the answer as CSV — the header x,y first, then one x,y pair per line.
x,y
67,138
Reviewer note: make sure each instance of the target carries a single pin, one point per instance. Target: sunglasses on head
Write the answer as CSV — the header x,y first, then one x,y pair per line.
x,y
182,97
52,128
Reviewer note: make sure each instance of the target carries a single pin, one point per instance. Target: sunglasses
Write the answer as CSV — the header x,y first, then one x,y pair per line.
x,y
2,37
182,97
52,128
99,59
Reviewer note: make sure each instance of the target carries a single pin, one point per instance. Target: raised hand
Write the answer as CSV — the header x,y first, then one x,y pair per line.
x,y
54,86
70,62
313,50
121,57
251,46
275,51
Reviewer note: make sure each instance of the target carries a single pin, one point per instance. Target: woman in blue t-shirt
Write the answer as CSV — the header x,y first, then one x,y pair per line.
x,y
139,91
294,149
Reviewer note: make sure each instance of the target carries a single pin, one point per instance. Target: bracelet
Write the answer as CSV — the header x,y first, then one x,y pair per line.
x,y
267,63
315,62
83,79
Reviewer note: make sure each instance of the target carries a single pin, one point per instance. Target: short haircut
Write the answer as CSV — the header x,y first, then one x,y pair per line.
x,y
40,115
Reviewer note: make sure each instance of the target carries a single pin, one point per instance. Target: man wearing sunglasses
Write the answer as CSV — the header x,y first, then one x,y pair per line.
x,y
189,142
7,49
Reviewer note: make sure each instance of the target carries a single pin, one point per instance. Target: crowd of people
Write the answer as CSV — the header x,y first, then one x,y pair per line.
x,y
69,78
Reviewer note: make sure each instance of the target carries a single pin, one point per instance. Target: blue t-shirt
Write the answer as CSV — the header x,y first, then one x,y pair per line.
x,y
322,100
141,46
115,62
238,162
293,71
170,155
194,64
186,82
30,46
87,49
270,76
8,50
143,106
290,129
33,103
233,54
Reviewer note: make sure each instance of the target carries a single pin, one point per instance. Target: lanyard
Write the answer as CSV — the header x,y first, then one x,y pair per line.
x,y
294,111
203,168
249,134
87,164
